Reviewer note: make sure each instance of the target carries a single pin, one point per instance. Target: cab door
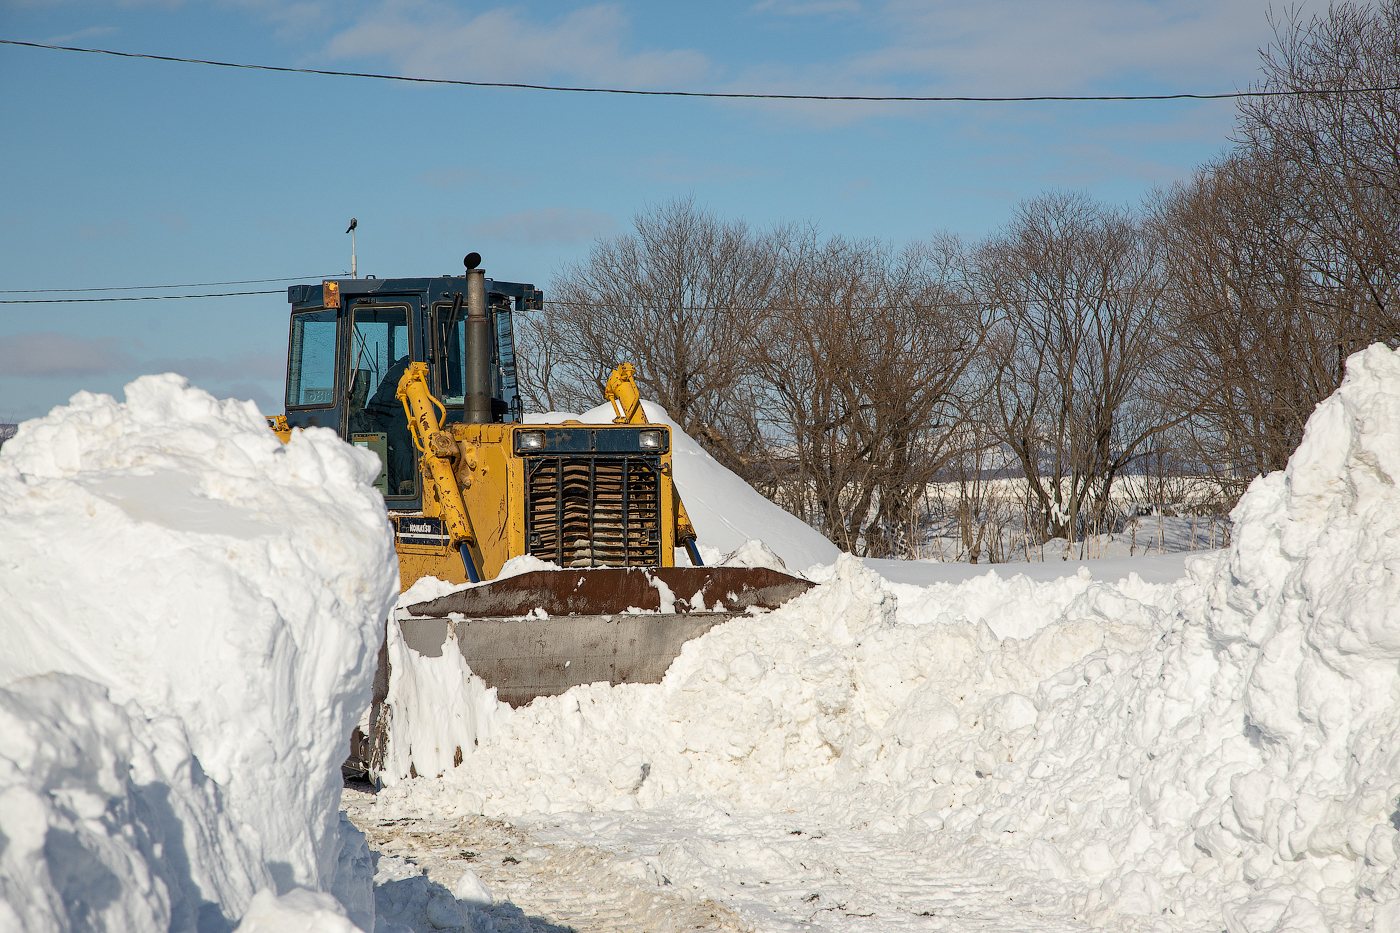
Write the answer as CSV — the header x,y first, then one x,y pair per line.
x,y
380,342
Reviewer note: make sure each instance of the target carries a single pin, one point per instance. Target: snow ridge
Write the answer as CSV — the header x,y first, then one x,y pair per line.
x,y
1223,750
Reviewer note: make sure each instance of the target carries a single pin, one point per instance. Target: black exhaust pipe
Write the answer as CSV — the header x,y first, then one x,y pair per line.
x,y
477,376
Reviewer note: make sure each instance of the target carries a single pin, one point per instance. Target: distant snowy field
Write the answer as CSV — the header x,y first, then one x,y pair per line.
x,y
1163,743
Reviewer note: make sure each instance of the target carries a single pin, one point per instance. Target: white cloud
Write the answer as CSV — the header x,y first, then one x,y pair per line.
x,y
210,369
49,354
68,356
431,39
1029,47
90,32
808,7
293,18
551,225
996,48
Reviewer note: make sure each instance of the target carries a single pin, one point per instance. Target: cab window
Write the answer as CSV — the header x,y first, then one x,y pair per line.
x,y
379,355
450,341
311,362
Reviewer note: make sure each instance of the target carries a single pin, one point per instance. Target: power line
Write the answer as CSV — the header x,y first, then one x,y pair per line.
x,y
560,304
137,288
710,94
59,301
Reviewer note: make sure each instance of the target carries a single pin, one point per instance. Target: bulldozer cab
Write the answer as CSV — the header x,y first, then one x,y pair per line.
x,y
351,341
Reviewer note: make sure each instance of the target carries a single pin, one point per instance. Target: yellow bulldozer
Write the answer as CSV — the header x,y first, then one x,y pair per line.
x,y
421,371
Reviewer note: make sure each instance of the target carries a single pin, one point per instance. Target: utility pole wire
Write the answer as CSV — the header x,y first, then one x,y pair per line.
x,y
138,288
61,301
723,95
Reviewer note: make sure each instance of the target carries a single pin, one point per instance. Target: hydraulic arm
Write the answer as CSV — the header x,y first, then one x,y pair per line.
x,y
626,400
439,455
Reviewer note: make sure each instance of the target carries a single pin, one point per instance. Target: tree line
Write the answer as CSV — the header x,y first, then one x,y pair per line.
x,y
1079,344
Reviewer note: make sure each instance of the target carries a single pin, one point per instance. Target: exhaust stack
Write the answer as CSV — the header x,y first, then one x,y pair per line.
x,y
477,376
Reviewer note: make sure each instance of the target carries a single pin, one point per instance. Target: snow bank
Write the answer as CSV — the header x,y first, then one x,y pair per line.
x,y
726,511
437,711
210,601
1221,750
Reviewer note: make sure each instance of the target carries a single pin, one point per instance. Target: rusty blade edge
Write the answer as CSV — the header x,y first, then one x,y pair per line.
x,y
612,591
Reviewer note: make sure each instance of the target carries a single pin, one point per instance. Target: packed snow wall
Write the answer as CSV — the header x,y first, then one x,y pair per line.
x,y
1222,751
191,613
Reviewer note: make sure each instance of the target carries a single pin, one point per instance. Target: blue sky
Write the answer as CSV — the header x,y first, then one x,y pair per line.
x,y
118,172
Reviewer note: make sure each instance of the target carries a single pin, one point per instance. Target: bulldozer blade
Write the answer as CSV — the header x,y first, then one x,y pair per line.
x,y
618,625
532,657
586,635
612,590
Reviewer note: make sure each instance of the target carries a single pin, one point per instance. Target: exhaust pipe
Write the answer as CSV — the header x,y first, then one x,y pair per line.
x,y
476,379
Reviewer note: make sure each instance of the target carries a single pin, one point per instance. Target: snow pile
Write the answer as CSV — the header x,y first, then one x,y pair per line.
x,y
1223,749
1254,747
765,708
297,911
426,588
726,511
93,809
436,710
210,601
753,553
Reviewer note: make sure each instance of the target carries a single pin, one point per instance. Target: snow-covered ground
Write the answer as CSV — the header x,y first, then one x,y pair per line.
x,y
1164,743
1109,744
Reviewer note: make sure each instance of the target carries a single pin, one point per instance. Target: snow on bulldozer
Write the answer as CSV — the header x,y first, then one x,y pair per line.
x,y
421,371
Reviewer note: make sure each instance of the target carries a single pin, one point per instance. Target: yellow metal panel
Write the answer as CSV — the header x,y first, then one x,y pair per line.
x,y
515,485
494,495
666,492
491,480
416,562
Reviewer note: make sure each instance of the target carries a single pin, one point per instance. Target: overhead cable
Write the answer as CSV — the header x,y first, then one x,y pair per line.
x,y
60,301
138,288
723,95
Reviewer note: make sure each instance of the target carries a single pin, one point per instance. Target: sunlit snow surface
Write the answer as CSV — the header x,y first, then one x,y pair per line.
x,y
1110,748
189,617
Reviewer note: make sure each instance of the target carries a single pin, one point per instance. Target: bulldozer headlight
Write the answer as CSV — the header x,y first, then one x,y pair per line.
x,y
649,440
529,440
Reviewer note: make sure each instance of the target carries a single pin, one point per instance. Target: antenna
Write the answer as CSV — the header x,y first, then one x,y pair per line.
x,y
351,230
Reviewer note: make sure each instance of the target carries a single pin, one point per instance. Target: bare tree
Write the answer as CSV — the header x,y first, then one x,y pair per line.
x,y
1343,151
1284,255
862,366
1076,287
676,297
1253,349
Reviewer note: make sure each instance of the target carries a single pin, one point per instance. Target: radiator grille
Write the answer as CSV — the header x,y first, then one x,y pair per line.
x,y
594,511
